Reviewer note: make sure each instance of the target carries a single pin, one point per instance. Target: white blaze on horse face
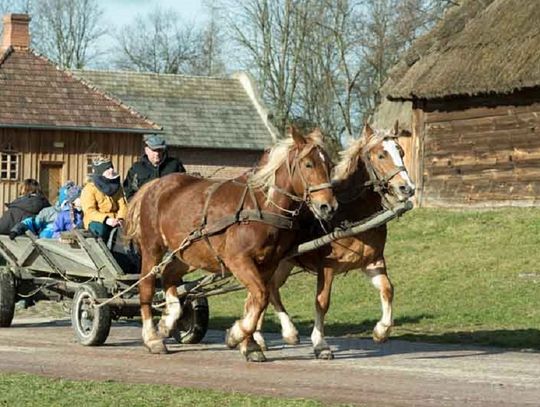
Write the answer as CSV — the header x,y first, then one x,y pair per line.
x,y
322,156
391,148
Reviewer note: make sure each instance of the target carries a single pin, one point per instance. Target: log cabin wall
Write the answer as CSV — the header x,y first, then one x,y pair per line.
x,y
481,151
69,151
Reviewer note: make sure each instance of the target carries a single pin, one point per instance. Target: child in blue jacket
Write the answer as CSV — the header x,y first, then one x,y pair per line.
x,y
70,216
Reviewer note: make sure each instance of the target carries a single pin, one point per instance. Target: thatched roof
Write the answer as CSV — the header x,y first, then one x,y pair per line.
x,y
481,46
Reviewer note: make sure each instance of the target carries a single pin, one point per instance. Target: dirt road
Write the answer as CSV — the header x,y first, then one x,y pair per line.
x,y
395,374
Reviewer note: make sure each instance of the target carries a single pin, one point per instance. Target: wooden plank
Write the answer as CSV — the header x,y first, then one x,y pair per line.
x,y
419,131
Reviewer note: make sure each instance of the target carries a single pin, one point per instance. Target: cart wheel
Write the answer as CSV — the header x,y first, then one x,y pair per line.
x,y
91,325
7,298
193,324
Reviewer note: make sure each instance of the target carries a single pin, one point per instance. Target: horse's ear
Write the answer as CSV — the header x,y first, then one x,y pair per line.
x,y
396,128
367,131
298,138
317,134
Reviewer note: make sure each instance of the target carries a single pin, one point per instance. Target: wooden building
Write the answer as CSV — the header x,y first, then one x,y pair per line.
x,y
51,124
218,127
470,92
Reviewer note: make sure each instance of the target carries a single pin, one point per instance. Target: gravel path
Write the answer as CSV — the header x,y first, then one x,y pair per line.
x,y
394,374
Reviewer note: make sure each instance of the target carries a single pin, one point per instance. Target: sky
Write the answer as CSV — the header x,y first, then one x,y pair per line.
x,y
121,12
118,13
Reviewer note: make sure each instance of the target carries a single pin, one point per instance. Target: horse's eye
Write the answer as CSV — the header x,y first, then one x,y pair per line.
x,y
381,156
309,164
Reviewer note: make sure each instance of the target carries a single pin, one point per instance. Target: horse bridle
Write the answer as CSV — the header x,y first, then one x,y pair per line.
x,y
380,183
308,189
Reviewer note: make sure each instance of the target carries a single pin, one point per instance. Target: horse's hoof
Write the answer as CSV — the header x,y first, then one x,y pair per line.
x,y
156,347
381,333
228,340
324,354
291,340
379,339
255,356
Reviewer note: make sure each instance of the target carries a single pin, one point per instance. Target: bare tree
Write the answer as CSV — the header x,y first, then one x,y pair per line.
x,y
67,30
209,61
324,61
271,35
158,43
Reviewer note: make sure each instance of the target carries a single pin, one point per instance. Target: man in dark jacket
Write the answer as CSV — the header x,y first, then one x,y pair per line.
x,y
153,164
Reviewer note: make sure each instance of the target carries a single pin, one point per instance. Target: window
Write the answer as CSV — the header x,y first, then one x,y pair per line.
x,y
89,160
9,165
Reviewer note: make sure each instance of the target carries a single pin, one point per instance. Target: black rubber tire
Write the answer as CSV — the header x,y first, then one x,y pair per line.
x,y
91,325
191,327
8,293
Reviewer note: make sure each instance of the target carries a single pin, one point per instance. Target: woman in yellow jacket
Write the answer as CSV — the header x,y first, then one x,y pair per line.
x,y
102,199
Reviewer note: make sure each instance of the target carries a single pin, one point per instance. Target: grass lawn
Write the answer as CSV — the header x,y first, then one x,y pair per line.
x,y
464,277
23,390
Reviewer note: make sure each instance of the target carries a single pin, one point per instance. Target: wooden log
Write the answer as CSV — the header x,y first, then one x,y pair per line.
x,y
377,221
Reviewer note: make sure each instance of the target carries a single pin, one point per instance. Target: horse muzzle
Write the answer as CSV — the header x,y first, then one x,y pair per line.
x,y
324,210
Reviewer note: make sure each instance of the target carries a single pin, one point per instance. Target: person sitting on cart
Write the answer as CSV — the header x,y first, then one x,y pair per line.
x,y
30,202
42,224
70,216
155,163
103,203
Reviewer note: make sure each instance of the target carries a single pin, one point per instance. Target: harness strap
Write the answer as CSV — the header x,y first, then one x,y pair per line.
x,y
254,201
209,192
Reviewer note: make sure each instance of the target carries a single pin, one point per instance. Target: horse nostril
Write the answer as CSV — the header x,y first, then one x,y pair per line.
x,y
406,190
324,208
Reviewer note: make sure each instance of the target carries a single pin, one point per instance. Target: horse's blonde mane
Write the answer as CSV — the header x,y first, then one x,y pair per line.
x,y
350,156
265,176
348,159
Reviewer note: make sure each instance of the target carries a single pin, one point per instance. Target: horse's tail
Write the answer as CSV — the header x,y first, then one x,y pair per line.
x,y
132,229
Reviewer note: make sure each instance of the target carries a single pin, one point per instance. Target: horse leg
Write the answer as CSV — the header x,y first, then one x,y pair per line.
x,y
242,331
171,277
379,278
257,335
152,341
288,330
322,302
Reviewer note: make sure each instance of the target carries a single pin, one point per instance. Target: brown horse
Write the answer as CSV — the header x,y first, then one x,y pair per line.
x,y
228,226
371,170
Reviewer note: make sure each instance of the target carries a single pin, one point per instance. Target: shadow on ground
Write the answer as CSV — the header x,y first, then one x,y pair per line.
x,y
506,338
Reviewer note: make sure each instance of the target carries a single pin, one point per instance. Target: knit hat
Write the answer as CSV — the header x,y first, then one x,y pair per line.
x,y
155,142
62,193
73,192
100,165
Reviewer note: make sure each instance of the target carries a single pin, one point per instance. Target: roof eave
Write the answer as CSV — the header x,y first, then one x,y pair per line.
x,y
80,128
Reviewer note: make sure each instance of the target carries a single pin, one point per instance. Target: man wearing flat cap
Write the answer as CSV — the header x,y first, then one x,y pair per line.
x,y
154,163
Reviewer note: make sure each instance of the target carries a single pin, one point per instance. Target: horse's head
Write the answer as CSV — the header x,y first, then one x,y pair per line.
x,y
298,168
375,159
383,157
309,169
